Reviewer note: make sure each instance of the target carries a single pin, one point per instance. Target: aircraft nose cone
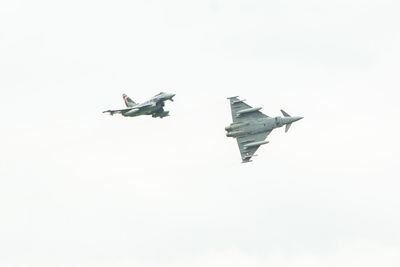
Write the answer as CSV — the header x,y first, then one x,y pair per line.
x,y
170,97
293,119
297,118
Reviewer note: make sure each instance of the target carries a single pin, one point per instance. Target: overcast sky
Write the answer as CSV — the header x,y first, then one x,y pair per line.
x,y
79,188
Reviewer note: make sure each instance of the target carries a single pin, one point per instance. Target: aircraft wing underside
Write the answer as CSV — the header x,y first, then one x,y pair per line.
x,y
238,105
248,152
145,105
117,111
137,107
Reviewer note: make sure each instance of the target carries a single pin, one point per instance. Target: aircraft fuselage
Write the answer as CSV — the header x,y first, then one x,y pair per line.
x,y
258,126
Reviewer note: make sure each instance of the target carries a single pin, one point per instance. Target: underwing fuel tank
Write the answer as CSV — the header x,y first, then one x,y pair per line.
x,y
235,133
164,114
161,115
234,126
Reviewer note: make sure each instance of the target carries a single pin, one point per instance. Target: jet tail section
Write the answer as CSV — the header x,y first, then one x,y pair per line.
x,y
128,101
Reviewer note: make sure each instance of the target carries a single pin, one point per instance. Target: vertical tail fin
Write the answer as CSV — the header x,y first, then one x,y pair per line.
x,y
128,102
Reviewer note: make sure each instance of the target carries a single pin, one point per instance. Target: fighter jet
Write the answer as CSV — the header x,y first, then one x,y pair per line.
x,y
153,107
251,127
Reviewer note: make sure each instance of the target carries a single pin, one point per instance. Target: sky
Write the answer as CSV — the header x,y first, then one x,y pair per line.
x,y
80,188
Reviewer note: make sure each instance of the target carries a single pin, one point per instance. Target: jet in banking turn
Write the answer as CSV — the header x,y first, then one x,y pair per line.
x,y
251,127
153,107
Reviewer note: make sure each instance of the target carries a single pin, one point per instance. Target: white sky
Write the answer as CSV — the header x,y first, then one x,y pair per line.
x,y
79,188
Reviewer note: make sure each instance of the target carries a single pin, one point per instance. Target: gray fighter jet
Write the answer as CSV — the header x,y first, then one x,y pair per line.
x,y
153,107
251,127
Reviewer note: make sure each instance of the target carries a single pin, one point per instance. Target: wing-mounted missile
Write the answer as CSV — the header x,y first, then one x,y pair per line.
x,y
259,143
247,141
247,110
